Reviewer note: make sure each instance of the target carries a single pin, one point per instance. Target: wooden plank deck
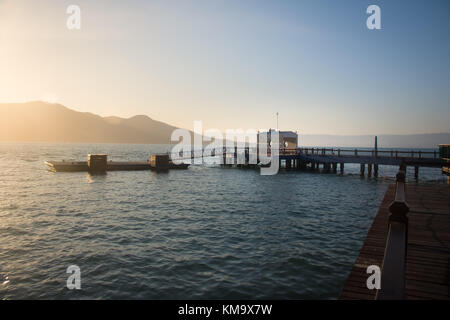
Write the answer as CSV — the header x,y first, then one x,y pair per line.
x,y
428,247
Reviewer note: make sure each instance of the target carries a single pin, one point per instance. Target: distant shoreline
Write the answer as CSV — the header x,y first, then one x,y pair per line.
x,y
40,122
168,144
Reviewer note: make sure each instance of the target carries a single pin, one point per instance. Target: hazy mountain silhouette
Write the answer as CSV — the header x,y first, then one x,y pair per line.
x,y
40,121
46,122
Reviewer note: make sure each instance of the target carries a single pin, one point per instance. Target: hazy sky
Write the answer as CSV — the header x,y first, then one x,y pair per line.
x,y
234,64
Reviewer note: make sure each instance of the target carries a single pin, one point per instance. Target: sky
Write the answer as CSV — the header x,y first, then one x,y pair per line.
x,y
235,64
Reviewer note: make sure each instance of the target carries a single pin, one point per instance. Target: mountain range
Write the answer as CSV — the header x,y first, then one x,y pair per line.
x,y
46,122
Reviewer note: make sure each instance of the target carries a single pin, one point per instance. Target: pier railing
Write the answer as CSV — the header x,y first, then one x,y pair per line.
x,y
338,152
363,152
394,262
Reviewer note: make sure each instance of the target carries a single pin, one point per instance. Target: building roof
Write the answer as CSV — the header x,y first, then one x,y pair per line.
x,y
284,134
288,134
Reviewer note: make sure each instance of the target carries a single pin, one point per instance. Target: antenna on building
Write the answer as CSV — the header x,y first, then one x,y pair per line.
x,y
277,121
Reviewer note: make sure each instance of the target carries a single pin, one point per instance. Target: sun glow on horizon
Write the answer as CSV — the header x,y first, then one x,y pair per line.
x,y
232,64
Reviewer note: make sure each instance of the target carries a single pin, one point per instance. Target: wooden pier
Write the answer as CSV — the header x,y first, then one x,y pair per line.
x,y
330,159
419,266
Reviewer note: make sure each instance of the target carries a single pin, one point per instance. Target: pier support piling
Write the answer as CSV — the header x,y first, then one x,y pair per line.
x,y
342,167
416,172
362,169
369,170
334,167
375,170
288,164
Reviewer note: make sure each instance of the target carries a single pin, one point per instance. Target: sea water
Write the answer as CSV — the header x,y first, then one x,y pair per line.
x,y
205,233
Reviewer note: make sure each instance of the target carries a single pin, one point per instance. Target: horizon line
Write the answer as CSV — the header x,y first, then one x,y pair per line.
x,y
298,132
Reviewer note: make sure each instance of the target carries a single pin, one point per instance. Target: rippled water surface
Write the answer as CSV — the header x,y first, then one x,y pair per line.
x,y
208,232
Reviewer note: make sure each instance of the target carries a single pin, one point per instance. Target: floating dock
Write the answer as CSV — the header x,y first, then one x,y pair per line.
x,y
80,166
99,163
425,269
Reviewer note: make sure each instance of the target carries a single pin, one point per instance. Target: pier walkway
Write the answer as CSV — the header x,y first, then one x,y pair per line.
x,y
329,158
426,270
291,159
365,156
